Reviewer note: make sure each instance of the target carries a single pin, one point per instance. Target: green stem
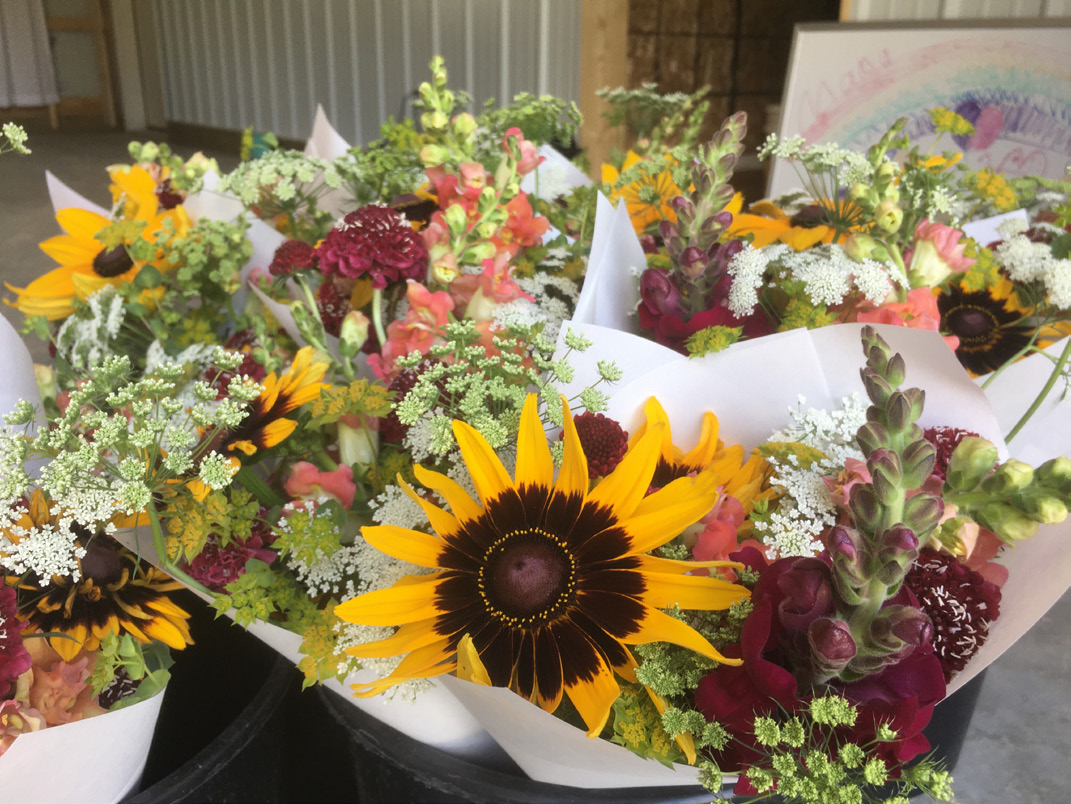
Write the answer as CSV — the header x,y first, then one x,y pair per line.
x,y
255,485
1056,373
377,316
161,553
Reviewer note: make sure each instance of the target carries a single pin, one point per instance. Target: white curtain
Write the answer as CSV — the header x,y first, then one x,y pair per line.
x,y
27,76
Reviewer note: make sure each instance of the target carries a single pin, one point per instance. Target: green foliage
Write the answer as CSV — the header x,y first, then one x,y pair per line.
x,y
145,663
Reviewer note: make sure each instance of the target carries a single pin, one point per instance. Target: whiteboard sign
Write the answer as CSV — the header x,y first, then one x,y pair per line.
x,y
848,83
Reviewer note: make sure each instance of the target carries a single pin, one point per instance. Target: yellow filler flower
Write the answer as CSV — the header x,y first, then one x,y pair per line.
x,y
551,579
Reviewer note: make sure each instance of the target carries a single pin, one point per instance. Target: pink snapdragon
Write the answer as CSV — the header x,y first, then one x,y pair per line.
x,y
306,481
428,313
529,156
480,293
919,311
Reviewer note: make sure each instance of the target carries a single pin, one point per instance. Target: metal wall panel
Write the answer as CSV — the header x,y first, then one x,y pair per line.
x,y
267,63
875,10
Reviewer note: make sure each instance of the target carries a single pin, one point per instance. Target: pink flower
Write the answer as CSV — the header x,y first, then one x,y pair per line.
x,y
472,180
840,487
428,313
529,155
480,293
55,688
918,312
937,253
307,482
522,228
217,566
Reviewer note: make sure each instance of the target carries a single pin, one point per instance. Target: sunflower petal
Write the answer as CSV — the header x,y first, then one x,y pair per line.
x,y
469,665
700,456
165,631
662,515
464,507
424,662
488,474
534,462
443,522
68,646
573,475
81,223
594,697
72,253
623,489
657,626
409,637
398,605
418,548
701,592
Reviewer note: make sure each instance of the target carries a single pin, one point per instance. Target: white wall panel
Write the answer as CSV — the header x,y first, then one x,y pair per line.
x,y
875,10
267,63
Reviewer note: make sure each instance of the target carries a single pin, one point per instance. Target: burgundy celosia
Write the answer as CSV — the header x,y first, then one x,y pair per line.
x,y
332,304
377,242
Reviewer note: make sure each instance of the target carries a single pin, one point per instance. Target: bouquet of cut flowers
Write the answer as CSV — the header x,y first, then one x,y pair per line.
x,y
358,399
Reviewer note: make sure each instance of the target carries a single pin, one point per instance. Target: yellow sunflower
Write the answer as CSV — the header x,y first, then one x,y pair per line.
x,y
86,263
551,579
266,424
734,477
115,594
767,224
647,199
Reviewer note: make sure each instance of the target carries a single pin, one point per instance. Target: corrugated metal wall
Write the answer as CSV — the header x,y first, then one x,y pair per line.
x,y
267,63
875,10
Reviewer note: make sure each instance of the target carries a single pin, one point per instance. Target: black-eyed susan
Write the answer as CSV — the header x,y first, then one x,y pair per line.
x,y
86,264
549,577
735,477
267,425
116,594
989,324
767,223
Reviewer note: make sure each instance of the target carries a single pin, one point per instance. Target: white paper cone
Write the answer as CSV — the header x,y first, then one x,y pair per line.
x,y
63,197
93,761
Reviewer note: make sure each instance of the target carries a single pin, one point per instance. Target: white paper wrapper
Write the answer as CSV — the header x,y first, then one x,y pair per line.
x,y
554,176
611,288
984,231
20,382
435,717
93,761
326,143
63,197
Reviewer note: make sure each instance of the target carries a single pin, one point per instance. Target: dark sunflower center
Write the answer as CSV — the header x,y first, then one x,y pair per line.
x,y
112,262
528,577
101,563
971,324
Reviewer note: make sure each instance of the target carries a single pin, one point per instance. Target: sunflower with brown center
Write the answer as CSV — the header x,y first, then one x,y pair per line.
x,y
550,577
988,323
116,594
87,264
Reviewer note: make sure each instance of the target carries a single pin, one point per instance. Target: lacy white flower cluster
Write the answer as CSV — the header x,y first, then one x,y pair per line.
x,y
87,336
1027,261
806,508
828,275
849,167
284,174
118,444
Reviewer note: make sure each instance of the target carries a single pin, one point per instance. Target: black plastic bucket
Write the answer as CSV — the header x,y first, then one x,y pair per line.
x,y
391,767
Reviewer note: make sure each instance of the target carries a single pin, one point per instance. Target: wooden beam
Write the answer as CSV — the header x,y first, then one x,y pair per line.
x,y
603,62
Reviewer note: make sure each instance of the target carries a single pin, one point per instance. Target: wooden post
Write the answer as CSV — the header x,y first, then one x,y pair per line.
x,y
603,62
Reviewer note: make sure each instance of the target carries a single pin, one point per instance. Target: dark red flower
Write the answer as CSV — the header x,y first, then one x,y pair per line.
x,y
960,602
603,440
216,566
332,304
167,196
14,658
291,256
945,440
377,242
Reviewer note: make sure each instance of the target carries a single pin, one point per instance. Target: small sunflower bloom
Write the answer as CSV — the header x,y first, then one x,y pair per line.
x,y
550,577
267,424
648,198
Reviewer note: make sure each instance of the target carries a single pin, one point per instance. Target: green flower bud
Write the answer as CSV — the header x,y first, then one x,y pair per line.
x,y
1006,521
432,155
1046,509
464,125
353,333
863,193
1055,474
861,246
456,219
1008,478
888,216
973,459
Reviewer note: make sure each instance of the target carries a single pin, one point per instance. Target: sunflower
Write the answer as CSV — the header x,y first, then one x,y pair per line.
x,y
551,580
767,224
266,424
735,477
988,323
86,263
647,198
116,594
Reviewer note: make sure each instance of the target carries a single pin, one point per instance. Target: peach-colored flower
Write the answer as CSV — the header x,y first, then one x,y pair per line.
x,y
16,718
522,228
530,157
55,688
479,294
428,313
918,312
853,473
937,253
306,481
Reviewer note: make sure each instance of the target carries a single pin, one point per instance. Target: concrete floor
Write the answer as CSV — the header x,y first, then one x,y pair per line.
x,y
1020,735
